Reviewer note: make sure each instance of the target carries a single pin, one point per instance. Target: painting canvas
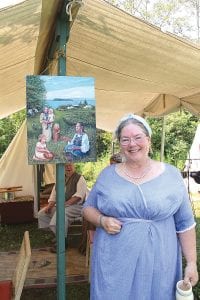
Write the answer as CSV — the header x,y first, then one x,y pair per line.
x,y
61,119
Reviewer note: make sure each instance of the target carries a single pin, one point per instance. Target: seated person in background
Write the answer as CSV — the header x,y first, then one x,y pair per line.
x,y
75,190
41,151
116,158
79,145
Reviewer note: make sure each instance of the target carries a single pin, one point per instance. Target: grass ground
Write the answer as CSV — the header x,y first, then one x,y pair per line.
x,y
73,292
11,237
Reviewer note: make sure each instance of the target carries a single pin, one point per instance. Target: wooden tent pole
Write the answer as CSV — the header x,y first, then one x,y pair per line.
x,y
63,28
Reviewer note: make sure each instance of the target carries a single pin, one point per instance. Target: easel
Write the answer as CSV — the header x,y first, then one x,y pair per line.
x,y
12,289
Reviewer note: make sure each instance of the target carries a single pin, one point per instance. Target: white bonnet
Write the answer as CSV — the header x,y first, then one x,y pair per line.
x,y
138,118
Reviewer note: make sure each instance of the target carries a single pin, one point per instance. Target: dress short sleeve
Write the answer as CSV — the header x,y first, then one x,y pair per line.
x,y
184,218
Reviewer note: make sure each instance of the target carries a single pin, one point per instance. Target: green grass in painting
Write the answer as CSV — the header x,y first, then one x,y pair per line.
x,y
67,120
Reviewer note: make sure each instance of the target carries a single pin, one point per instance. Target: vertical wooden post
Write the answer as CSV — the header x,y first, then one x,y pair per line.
x,y
63,33
38,174
60,231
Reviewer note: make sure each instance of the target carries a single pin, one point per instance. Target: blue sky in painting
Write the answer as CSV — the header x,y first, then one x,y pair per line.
x,y
68,87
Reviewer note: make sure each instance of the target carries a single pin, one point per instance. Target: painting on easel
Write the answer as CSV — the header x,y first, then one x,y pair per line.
x,y
61,119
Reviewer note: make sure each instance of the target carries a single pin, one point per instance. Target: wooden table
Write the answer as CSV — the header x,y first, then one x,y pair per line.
x,y
18,210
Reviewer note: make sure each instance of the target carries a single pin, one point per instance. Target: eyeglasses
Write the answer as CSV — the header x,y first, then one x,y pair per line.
x,y
124,141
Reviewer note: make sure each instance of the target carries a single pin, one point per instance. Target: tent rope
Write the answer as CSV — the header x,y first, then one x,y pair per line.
x,y
69,7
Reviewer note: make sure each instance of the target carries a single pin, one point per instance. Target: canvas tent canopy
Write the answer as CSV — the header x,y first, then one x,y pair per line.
x,y
137,68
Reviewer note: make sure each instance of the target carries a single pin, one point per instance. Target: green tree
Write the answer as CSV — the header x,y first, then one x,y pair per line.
x,y
91,170
194,7
104,143
35,92
179,133
176,16
8,128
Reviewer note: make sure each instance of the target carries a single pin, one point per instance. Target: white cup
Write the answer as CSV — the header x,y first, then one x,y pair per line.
x,y
183,291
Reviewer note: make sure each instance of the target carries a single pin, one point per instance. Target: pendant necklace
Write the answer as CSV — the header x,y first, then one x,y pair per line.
x,y
138,177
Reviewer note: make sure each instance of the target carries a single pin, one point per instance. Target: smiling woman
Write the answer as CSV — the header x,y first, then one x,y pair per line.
x,y
134,198
134,138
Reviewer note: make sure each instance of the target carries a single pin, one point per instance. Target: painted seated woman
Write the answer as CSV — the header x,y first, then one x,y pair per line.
x,y
79,145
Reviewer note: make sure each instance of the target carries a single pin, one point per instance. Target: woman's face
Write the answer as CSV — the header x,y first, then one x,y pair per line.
x,y
134,143
78,128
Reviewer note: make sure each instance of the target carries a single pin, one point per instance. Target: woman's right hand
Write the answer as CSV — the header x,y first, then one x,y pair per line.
x,y
111,225
191,274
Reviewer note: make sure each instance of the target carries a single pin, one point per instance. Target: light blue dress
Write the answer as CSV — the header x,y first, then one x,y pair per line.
x,y
143,261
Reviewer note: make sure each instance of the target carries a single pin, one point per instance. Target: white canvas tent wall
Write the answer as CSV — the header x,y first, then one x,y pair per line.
x,y
15,170
12,166
192,163
137,67
193,159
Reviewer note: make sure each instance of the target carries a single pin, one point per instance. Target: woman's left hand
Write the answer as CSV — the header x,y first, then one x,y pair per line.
x,y
111,225
191,274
